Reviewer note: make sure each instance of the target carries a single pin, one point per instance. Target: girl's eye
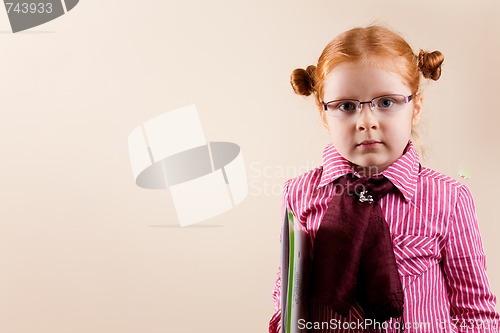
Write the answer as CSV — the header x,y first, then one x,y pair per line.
x,y
385,103
346,106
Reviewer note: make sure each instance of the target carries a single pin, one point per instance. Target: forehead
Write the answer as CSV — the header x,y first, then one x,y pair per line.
x,y
364,80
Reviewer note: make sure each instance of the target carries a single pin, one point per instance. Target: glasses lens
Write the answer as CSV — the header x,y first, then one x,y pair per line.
x,y
389,103
342,108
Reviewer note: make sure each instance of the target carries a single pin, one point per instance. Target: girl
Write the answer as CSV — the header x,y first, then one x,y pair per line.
x,y
366,86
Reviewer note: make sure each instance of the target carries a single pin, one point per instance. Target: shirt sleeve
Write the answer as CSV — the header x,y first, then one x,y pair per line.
x,y
275,322
472,304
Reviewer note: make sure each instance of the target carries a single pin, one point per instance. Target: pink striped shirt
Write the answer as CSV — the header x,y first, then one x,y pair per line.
x,y
436,242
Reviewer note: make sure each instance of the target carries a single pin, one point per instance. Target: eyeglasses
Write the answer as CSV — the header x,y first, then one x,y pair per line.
x,y
383,105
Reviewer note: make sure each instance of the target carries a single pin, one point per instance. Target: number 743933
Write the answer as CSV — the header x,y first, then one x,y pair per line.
x,y
29,7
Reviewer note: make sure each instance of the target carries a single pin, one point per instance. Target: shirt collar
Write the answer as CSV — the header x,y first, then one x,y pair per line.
x,y
403,173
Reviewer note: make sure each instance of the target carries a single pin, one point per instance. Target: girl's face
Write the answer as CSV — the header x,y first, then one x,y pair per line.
x,y
390,132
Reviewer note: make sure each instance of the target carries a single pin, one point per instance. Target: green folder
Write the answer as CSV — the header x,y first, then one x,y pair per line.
x,y
294,272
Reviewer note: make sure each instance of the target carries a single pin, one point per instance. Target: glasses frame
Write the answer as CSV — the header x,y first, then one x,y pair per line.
x,y
359,104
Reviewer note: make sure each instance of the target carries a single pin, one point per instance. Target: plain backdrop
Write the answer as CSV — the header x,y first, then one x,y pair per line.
x,y
83,249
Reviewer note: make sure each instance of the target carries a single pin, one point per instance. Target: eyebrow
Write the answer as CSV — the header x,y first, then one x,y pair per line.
x,y
356,99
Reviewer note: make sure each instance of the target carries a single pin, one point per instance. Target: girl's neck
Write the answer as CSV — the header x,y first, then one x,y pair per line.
x,y
368,171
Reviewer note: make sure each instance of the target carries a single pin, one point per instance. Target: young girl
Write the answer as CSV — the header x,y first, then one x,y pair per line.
x,y
366,86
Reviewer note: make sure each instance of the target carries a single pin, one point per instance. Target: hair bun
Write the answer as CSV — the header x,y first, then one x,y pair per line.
x,y
430,64
302,80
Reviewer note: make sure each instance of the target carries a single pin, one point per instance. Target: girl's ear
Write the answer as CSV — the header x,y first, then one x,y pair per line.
x,y
419,98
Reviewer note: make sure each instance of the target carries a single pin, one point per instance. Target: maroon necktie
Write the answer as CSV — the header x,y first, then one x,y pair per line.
x,y
353,258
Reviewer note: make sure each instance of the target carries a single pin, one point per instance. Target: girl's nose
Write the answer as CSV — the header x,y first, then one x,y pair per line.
x,y
366,118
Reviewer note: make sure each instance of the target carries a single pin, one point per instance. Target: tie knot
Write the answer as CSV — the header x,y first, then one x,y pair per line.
x,y
368,189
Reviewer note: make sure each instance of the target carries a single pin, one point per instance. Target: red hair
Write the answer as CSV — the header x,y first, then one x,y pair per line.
x,y
373,44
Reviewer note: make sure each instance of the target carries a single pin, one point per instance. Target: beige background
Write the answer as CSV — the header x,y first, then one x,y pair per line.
x,y
83,249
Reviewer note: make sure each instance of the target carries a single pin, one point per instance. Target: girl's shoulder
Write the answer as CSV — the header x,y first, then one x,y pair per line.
x,y
306,182
430,175
299,192
444,186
